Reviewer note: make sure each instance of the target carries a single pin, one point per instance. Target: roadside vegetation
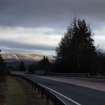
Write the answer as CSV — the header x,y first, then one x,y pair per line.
x,y
3,74
14,94
16,91
76,52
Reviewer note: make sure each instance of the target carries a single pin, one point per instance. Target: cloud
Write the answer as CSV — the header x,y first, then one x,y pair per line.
x,y
42,23
25,46
99,38
29,39
53,13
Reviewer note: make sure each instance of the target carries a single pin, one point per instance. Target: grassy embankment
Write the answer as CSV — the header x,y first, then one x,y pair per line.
x,y
19,92
14,94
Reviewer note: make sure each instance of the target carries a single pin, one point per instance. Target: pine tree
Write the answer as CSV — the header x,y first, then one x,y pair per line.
x,y
2,66
76,52
22,66
44,63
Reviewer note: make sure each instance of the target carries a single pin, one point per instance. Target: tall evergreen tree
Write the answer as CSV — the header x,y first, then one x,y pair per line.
x,y
2,66
76,52
22,66
44,63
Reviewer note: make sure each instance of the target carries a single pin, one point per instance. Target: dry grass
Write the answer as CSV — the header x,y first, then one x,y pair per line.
x,y
19,92
2,89
15,93
33,97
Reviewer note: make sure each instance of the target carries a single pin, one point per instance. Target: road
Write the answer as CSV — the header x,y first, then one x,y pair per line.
x,y
80,95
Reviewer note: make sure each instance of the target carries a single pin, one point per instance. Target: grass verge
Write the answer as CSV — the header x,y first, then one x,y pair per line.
x,y
15,94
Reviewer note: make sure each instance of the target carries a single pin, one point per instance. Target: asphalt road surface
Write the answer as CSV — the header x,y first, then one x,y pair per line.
x,y
81,95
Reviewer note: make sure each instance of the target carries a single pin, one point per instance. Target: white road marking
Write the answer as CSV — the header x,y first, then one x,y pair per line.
x,y
67,98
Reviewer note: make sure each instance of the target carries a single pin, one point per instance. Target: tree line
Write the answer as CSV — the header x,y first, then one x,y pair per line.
x,y
76,52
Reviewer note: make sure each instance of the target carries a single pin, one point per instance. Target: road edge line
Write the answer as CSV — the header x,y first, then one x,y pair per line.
x,y
67,98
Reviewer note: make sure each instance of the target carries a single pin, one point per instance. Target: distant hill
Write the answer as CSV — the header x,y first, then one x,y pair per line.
x,y
10,57
21,57
13,60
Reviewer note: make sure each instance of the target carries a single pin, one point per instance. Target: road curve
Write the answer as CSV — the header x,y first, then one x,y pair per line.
x,y
80,95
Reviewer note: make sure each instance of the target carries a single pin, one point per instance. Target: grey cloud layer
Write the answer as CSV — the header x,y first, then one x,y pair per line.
x,y
21,46
55,13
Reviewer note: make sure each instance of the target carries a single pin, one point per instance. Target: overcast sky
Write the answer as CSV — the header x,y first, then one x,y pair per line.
x,y
38,25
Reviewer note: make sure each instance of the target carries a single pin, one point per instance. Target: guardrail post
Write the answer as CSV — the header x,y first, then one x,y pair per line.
x,y
36,89
47,100
32,85
42,93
